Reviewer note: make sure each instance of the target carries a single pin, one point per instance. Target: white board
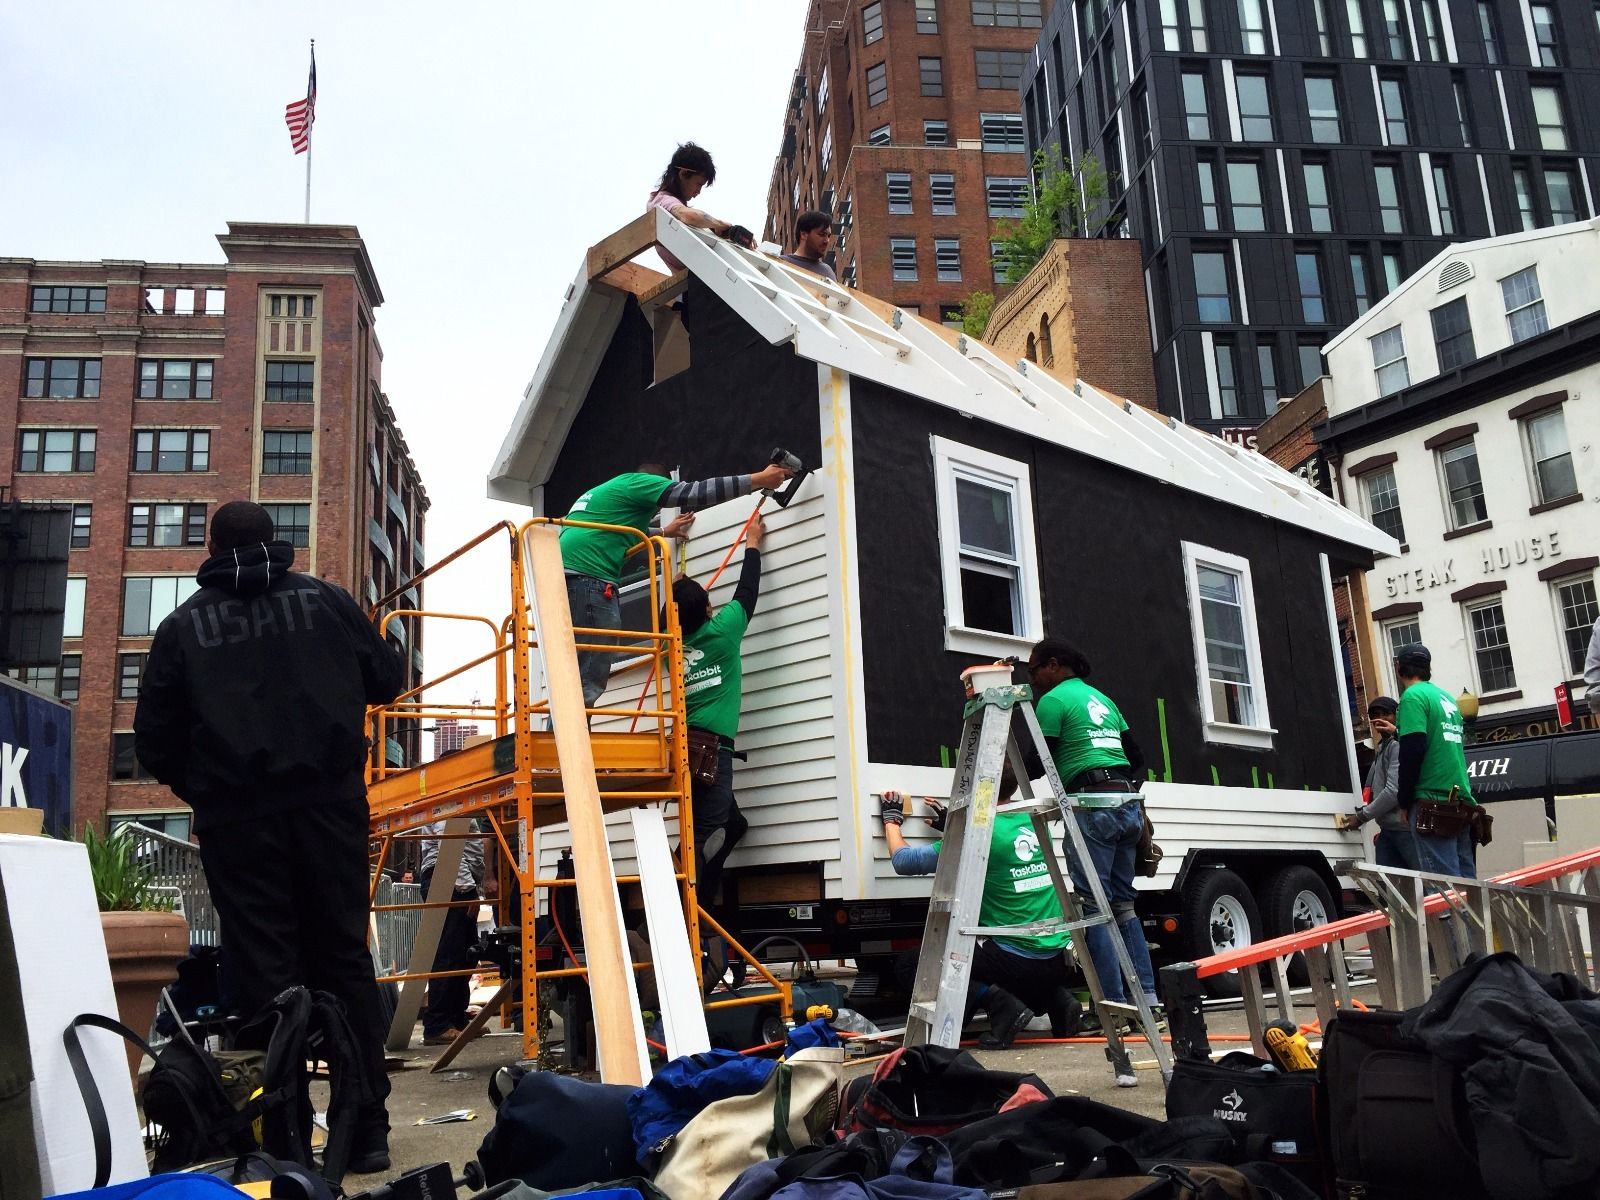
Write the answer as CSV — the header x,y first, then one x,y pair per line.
x,y
61,960
683,1018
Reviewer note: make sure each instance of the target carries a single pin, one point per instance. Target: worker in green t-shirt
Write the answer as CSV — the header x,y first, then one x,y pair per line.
x,y
1433,762
712,693
1011,976
593,558
1097,760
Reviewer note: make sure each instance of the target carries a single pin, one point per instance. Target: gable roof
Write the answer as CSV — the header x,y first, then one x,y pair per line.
x,y
838,327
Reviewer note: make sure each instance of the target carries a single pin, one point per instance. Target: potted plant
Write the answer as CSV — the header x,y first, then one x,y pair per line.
x,y
145,938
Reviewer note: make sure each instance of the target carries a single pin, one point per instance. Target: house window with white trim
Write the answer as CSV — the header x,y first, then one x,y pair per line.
x,y
1491,647
1524,301
1389,360
1463,484
1397,635
1227,647
1577,609
987,551
1383,502
1550,456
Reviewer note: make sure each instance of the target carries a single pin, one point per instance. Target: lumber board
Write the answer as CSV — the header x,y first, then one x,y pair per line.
x,y
683,1017
425,946
632,239
634,279
619,1031
501,995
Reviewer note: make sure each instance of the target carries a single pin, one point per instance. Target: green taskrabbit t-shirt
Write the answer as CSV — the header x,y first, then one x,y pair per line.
x,y
1428,708
714,673
1017,888
1086,726
630,500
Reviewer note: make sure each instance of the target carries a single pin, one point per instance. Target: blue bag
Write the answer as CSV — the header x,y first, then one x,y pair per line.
x,y
161,1187
685,1086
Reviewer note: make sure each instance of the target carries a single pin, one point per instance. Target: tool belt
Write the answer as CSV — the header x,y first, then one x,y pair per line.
x,y
1440,818
1102,787
705,754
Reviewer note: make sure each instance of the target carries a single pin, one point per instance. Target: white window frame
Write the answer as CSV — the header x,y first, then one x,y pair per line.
x,y
952,458
1555,585
1530,459
1467,609
72,610
1259,735
1390,678
183,586
1378,368
1526,306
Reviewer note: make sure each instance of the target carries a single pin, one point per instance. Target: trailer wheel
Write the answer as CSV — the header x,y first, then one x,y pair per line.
x,y
1219,914
1296,899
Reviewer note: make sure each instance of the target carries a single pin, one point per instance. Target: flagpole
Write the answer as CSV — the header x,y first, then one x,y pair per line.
x,y
310,129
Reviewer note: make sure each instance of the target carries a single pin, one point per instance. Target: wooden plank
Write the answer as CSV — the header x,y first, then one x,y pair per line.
x,y
619,1032
426,944
634,238
635,279
666,287
502,993
683,1019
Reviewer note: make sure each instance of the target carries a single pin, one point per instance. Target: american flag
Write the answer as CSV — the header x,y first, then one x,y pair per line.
x,y
301,115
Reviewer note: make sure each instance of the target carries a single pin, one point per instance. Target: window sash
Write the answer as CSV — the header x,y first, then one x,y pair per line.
x,y
1394,111
1322,106
942,194
66,298
988,558
1452,335
930,76
1002,132
1308,270
1579,608
1227,641
877,85
1255,108
1227,378
62,379
1491,647
1524,303
1006,195
1209,213
947,259
1212,294
1383,503
1388,182
1196,106
897,185
1463,481
903,259
1443,202
1319,210
1548,115
1552,456
936,133
1563,196
871,24
1389,360
147,600
1252,27
1244,194
56,451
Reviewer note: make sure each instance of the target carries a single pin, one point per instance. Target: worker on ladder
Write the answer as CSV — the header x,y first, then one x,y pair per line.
x,y
1010,975
1099,761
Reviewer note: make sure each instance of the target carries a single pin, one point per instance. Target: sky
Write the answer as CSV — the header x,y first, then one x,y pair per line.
x,y
480,147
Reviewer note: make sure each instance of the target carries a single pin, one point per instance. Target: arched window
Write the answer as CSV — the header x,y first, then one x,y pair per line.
x,y
1032,352
1047,354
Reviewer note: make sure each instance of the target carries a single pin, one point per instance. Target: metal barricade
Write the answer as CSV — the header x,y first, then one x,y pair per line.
x,y
395,930
175,864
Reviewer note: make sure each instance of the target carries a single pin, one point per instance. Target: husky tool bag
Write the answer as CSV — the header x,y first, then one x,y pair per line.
x,y
1397,1121
933,1090
557,1131
1272,1114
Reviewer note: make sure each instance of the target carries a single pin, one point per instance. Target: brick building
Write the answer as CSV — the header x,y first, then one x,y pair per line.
x,y
904,123
1079,314
145,395
450,734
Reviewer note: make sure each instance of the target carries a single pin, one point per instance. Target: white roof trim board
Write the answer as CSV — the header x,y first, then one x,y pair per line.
x,y
830,325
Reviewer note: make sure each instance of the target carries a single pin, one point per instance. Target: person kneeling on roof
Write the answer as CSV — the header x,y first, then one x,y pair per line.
x,y
593,558
1012,973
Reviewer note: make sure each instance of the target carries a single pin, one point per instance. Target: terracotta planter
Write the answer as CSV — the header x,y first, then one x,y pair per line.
x,y
145,949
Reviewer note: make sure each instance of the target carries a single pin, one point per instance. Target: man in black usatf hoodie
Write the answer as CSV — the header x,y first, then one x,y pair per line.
x,y
253,710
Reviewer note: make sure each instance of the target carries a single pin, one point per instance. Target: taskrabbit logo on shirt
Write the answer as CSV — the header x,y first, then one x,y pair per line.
x,y
1097,712
697,678
1026,845
692,656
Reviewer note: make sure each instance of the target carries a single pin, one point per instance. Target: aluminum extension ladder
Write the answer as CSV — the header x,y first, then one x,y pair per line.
x,y
944,969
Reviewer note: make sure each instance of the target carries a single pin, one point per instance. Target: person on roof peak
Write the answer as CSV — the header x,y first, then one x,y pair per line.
x,y
688,173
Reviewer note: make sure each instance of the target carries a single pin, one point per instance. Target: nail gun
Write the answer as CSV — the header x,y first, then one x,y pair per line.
x,y
784,458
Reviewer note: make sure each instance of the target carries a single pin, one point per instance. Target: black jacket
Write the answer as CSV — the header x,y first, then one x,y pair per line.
x,y
254,697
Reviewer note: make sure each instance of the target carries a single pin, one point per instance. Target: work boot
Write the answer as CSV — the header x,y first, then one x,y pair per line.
x,y
369,1153
1007,1014
1066,1013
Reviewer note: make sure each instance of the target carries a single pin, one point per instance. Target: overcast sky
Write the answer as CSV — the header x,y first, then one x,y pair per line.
x,y
480,148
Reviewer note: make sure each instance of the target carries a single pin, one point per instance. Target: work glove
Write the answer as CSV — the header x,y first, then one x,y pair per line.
x,y
892,808
739,235
938,814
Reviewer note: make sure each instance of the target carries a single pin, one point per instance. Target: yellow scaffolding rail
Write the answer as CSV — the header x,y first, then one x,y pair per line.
x,y
514,780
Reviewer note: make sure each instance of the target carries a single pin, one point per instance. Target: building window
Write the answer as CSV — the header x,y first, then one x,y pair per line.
x,y
82,515
1491,648
1252,27
1001,70
175,379
1463,111
1383,503
72,620
825,153
877,86
999,261
1547,114
292,522
286,452
1397,636
171,450
927,16
1309,273
1197,112
1006,195
947,259
291,306
1524,304
1358,28
1389,360
1578,609
1227,647
60,679
1544,33
1208,193
871,24
1009,14
987,551
1394,28
55,451
125,763
1391,271
950,316
1444,202
1394,111
1358,279
822,92
1227,358
1432,42
1463,484
1211,287
930,71
1171,31
1267,368
1255,108
166,525
903,259
147,600
63,378
1563,196
1197,26
1244,195
1319,211
1489,31
1551,456
1324,38
1524,190
942,194
937,133
130,672
1452,335
1388,180
1322,105
68,299
290,382
1003,132
849,276
898,186
881,136
1141,123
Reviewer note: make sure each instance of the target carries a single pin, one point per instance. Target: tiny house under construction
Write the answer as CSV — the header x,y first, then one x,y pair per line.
x,y
960,508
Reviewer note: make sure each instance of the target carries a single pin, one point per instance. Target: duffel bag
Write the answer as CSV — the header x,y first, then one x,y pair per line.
x,y
933,1090
1272,1114
557,1131
1397,1120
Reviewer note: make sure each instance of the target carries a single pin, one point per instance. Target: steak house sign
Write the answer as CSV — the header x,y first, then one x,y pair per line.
x,y
1490,559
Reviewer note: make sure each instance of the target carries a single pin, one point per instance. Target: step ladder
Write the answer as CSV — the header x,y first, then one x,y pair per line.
x,y
939,996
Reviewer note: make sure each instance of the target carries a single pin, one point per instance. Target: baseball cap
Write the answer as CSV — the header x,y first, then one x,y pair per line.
x,y
1382,704
1415,655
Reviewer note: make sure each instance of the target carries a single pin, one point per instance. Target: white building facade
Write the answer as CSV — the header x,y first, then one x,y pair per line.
x,y
1464,419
